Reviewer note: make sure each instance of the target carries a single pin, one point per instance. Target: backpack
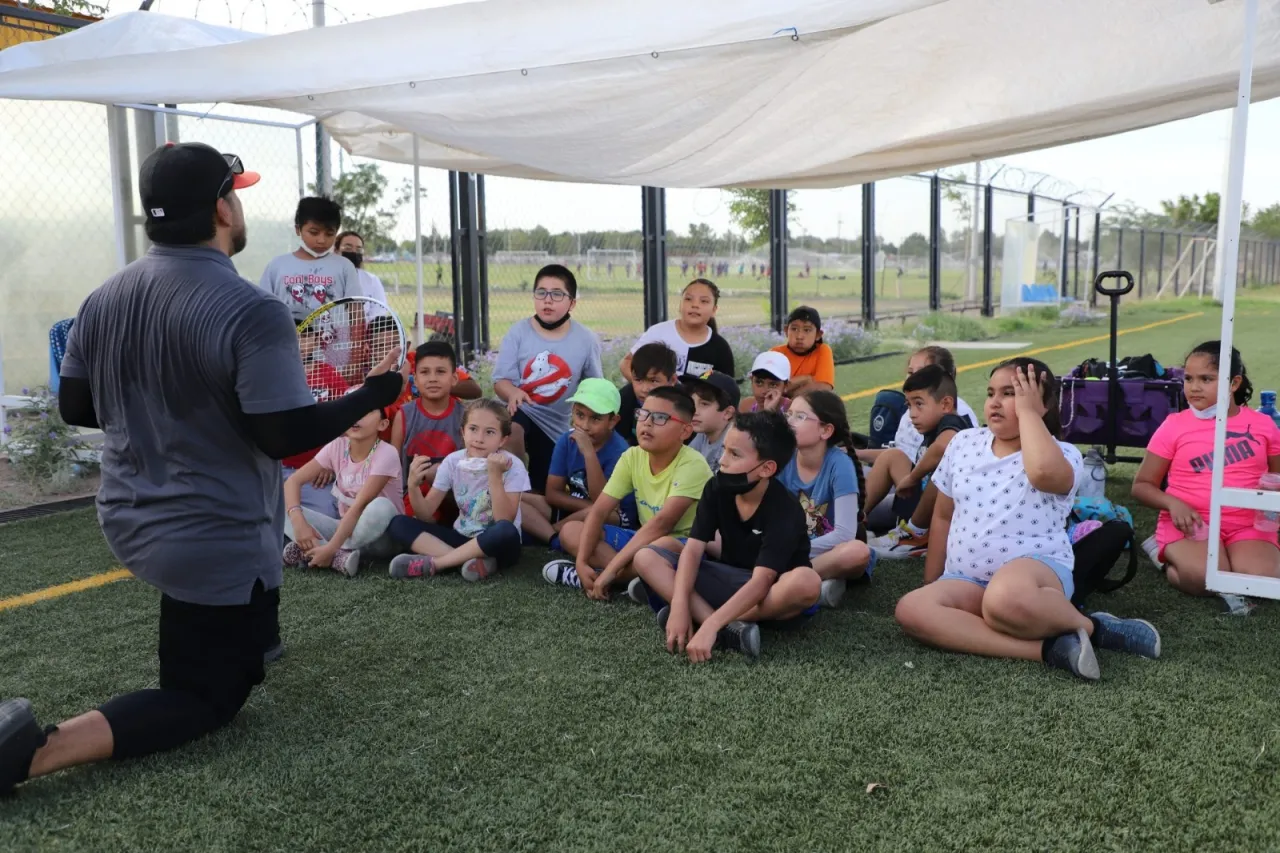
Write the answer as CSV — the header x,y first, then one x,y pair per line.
x,y
1097,553
886,413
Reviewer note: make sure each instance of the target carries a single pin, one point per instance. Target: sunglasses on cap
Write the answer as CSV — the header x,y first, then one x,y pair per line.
x,y
236,166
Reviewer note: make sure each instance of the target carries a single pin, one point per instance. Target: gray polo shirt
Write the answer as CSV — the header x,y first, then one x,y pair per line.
x,y
177,348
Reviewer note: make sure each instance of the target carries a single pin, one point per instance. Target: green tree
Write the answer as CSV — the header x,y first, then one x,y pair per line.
x,y
1191,210
749,210
360,192
1267,221
916,245
78,7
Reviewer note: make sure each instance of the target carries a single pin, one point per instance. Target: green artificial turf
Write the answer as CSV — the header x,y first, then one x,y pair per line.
x,y
516,716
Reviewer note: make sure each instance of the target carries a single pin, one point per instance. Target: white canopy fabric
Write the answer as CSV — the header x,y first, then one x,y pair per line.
x,y
681,93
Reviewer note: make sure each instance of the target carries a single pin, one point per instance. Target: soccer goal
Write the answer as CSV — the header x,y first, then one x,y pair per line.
x,y
606,264
528,259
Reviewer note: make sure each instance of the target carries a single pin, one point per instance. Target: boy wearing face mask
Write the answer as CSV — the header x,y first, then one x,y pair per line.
x,y
312,275
763,573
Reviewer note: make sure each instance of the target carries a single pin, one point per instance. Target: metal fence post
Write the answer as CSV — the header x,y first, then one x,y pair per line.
x,y
1160,266
778,258
988,196
868,255
1097,247
455,254
482,268
1066,248
1031,207
1177,265
653,215
1142,259
935,250
1120,248
1075,250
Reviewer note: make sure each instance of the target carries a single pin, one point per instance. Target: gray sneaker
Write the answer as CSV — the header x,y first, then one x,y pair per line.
x,y
1073,652
663,615
412,566
742,637
637,591
347,562
1237,605
1135,636
479,569
833,590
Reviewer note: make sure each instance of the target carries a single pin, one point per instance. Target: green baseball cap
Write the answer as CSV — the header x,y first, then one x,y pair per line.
x,y
598,395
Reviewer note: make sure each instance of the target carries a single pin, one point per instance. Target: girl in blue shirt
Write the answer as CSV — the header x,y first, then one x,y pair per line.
x,y
828,483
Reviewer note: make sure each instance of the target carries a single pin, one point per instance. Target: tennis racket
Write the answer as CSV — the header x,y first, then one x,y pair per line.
x,y
342,341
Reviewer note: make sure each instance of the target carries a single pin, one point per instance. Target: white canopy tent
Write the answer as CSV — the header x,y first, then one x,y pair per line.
x,y
767,93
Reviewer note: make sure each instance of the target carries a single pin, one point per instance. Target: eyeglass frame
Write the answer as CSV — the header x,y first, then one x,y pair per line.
x,y
643,415
556,296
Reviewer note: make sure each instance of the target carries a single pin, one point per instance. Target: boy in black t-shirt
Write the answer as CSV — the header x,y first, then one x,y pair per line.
x,y
931,405
653,365
763,574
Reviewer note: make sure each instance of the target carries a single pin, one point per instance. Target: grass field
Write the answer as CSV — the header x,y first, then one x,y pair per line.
x,y
516,716
615,306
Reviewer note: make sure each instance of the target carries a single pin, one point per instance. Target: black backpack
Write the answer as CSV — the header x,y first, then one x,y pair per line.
x,y
886,413
1097,554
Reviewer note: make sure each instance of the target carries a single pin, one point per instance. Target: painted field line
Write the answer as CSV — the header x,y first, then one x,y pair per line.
x,y
65,589
992,362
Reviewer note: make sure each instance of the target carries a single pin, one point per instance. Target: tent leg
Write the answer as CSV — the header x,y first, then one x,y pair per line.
x,y
419,338
1225,284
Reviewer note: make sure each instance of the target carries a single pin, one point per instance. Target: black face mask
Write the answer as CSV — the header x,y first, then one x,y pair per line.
x,y
735,484
551,326
356,258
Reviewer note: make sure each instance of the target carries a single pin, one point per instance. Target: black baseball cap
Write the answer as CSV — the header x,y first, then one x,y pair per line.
x,y
725,388
185,179
805,314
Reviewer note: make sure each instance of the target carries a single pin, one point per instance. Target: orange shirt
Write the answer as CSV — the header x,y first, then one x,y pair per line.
x,y
818,363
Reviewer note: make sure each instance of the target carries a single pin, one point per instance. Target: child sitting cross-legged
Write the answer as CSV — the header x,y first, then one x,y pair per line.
x,y
931,406
584,459
763,573
666,478
813,365
367,487
431,425
770,373
998,576
1180,454
487,482
828,483
715,399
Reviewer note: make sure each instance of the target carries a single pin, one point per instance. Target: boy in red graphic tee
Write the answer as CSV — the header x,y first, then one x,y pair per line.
x,y
430,425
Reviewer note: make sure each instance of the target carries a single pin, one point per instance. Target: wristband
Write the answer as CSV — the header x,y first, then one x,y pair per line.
x,y
290,510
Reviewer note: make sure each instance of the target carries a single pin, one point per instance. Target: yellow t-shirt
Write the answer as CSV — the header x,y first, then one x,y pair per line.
x,y
685,477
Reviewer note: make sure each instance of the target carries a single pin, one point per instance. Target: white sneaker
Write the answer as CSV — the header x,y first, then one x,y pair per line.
x,y
900,543
833,590
1152,550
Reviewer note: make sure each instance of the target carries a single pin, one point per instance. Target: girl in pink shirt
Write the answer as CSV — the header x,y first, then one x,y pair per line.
x,y
1182,450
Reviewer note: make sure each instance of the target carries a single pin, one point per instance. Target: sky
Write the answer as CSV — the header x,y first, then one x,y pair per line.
x,y
1142,167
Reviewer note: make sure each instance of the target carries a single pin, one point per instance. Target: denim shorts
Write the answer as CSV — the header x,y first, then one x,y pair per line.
x,y
1064,575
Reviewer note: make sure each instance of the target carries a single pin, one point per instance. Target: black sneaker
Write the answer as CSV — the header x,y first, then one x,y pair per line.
x,y
1073,652
274,652
740,637
663,615
20,737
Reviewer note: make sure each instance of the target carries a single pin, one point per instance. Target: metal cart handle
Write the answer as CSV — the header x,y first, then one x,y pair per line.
x,y
1100,283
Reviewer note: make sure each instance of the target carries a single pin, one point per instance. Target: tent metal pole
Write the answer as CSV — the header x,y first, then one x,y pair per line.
x,y
419,338
302,172
118,141
1225,284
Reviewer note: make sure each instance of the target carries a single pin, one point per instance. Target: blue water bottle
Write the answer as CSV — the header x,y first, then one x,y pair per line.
x,y
1268,406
